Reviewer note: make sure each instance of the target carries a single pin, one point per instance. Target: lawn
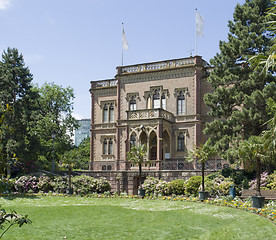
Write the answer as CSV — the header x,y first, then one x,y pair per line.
x,y
96,218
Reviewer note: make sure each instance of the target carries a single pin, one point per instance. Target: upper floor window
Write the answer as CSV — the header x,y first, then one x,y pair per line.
x,y
181,105
163,101
107,145
107,111
132,99
132,104
156,99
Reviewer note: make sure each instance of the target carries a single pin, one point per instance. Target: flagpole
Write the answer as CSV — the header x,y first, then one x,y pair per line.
x,y
195,35
122,46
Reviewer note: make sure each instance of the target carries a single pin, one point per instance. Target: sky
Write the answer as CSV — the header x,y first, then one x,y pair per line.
x,y
74,42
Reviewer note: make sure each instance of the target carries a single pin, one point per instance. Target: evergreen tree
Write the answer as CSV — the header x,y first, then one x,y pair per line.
x,y
17,92
238,102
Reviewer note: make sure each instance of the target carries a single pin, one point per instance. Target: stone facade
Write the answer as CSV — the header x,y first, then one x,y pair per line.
x,y
157,104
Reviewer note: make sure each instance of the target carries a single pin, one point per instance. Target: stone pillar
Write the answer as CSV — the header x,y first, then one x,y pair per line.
x,y
118,137
197,84
159,144
92,127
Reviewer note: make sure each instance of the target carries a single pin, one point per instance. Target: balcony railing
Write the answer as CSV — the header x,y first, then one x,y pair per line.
x,y
163,65
150,114
106,83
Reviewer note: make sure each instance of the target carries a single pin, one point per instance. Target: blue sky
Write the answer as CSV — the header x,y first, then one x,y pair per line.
x,y
73,42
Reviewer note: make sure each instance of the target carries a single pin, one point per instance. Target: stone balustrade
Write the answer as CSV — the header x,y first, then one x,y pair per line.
x,y
149,114
106,83
164,65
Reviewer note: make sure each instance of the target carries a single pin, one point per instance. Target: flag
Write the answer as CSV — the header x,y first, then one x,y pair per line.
x,y
124,41
199,25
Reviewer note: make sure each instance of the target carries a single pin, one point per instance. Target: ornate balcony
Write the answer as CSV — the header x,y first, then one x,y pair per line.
x,y
150,114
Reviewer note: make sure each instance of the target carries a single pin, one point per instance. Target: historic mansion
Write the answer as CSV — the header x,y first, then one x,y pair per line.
x,y
159,104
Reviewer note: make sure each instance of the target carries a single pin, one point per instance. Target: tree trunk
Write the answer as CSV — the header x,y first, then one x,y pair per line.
x,y
140,174
69,177
258,176
202,174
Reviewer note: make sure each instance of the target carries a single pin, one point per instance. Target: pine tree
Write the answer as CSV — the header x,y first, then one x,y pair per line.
x,y
238,102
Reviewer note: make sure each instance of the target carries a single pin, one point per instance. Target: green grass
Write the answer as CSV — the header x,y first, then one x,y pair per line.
x,y
95,218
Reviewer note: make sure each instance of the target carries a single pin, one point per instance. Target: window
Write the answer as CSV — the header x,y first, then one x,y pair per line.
x,y
132,140
163,101
132,104
110,146
156,99
149,102
111,113
181,142
181,108
105,146
105,113
108,111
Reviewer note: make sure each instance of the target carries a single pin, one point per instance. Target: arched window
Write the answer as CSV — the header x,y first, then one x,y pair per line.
x,y
156,99
105,147
132,104
111,113
110,146
132,140
180,142
105,113
103,167
181,108
163,101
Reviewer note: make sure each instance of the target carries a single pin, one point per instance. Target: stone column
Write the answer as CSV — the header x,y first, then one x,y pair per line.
x,y
159,144
92,128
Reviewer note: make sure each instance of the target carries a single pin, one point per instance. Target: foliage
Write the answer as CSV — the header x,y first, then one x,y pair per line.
x,y
155,186
12,219
54,116
252,153
177,187
25,184
84,185
202,154
17,92
263,181
238,100
137,155
192,185
267,60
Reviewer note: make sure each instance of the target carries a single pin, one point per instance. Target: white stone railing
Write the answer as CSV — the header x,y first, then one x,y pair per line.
x,y
106,83
156,66
150,113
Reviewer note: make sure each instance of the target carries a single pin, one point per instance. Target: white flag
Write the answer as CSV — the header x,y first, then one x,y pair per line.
x,y
124,41
199,25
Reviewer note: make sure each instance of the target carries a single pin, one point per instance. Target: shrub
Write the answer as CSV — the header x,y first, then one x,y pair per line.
x,y
271,181
264,178
177,187
86,185
45,183
192,185
26,183
5,185
60,184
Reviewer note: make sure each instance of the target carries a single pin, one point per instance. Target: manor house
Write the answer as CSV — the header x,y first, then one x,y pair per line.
x,y
159,104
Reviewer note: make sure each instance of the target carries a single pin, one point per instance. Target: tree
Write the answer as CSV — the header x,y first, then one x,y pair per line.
x,y
202,154
16,91
238,100
267,61
54,115
253,154
137,155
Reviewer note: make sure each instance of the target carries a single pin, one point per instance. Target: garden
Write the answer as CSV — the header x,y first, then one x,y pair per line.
x,y
169,209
